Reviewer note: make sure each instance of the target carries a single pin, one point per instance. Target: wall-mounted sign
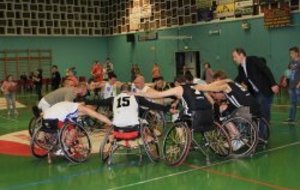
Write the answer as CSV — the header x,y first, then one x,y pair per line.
x,y
277,17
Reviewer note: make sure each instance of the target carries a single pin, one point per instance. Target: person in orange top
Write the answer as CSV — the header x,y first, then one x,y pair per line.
x,y
97,72
155,71
9,88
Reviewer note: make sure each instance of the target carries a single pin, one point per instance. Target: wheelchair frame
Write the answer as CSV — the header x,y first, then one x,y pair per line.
x,y
57,139
151,148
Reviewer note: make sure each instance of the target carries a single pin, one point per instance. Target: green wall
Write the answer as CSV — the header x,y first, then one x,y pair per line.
x,y
273,44
66,51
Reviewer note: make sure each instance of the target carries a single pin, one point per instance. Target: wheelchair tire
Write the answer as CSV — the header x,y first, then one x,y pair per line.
x,y
218,141
248,136
156,121
176,146
151,143
75,142
42,143
34,123
105,141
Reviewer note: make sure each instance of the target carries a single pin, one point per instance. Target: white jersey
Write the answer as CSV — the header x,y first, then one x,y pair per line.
x,y
125,110
109,91
61,111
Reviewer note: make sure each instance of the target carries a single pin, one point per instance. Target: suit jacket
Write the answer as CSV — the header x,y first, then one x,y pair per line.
x,y
260,75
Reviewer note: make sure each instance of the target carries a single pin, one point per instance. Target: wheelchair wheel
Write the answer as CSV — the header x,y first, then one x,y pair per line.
x,y
90,124
245,142
42,143
151,143
34,123
176,144
75,142
106,146
218,140
156,121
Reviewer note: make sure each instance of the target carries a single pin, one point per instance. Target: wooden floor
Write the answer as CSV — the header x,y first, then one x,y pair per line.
x,y
276,167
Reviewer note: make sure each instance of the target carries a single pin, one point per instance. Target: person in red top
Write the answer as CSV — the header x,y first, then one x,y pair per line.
x,y
97,72
9,88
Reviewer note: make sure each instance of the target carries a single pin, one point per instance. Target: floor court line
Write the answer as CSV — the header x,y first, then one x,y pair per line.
x,y
241,178
204,168
83,173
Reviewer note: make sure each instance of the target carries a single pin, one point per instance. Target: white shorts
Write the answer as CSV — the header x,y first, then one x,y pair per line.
x,y
62,111
43,105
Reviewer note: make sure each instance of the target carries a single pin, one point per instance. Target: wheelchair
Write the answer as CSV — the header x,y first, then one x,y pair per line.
x,y
35,121
71,139
140,137
156,120
242,131
180,138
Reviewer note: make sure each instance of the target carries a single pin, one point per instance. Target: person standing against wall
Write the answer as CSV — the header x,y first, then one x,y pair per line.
x,y
9,88
294,83
55,78
257,76
97,72
155,72
208,73
38,82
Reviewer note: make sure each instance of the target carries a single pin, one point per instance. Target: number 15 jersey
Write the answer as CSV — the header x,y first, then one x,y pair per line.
x,y
125,110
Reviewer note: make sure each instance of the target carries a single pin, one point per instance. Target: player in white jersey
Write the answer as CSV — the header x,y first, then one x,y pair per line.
x,y
126,107
64,110
109,88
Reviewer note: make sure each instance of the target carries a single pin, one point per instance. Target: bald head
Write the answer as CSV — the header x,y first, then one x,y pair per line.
x,y
139,82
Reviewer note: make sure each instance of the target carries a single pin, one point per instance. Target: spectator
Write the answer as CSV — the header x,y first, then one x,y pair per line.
x,y
55,78
24,81
97,72
9,88
208,73
294,83
155,72
38,82
108,68
135,71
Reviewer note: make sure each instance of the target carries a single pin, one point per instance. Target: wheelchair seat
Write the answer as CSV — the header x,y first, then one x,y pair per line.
x,y
126,133
199,121
50,125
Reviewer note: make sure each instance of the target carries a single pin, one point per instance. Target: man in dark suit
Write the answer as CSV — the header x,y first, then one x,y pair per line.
x,y
255,74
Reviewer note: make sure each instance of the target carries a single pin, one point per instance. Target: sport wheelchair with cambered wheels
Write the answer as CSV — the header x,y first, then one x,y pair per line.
x,y
68,139
156,121
180,138
139,137
242,132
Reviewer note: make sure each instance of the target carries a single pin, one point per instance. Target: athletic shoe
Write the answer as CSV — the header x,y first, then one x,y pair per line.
x,y
59,152
289,121
237,144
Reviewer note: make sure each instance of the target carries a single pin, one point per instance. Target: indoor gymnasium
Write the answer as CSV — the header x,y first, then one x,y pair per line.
x,y
149,94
